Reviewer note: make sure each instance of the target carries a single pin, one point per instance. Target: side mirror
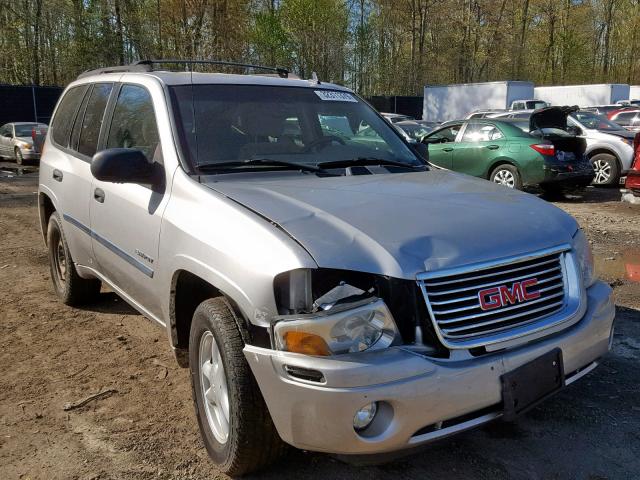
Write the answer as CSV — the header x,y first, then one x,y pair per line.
x,y
574,130
422,150
124,165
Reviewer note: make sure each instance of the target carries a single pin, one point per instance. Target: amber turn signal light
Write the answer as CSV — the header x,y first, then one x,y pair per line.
x,y
307,343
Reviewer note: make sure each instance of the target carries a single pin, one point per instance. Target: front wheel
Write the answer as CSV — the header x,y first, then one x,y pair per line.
x,y
606,169
234,422
506,175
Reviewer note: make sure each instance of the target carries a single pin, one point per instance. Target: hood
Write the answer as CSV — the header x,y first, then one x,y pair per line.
x,y
402,224
550,117
620,133
28,140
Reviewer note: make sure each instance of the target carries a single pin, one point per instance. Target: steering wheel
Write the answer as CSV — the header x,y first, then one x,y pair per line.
x,y
324,140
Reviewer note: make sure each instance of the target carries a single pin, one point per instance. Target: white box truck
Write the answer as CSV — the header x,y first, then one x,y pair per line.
x,y
634,92
583,95
450,102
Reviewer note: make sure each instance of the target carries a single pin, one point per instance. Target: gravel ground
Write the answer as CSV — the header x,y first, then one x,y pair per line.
x,y
145,428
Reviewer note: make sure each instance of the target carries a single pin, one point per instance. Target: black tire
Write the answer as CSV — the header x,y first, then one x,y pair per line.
x,y
69,286
18,156
252,442
508,169
606,168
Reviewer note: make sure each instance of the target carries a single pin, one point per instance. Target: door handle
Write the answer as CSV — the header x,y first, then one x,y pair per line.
x,y
98,194
57,175
447,149
493,147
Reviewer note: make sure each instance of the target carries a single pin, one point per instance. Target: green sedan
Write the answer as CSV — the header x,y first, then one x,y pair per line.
x,y
503,151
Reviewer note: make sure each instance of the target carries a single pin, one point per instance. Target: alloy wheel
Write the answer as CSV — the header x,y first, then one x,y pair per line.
x,y
213,382
602,170
505,177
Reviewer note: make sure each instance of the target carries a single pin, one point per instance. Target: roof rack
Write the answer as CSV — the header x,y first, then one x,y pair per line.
x,y
147,66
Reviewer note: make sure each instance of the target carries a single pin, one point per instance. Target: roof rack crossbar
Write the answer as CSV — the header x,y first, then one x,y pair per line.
x,y
282,72
147,66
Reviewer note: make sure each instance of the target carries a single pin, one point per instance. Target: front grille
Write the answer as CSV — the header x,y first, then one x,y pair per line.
x,y
455,307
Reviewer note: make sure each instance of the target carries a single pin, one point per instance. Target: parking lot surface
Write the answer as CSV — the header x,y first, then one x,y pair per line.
x,y
144,427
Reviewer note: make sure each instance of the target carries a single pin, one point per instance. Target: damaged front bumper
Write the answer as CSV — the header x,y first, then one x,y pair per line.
x,y
312,400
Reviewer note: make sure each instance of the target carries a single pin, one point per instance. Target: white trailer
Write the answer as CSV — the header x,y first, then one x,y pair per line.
x,y
450,102
634,92
583,95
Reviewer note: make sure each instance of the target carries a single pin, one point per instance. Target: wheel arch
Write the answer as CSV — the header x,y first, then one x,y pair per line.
x,y
188,290
46,207
598,151
500,161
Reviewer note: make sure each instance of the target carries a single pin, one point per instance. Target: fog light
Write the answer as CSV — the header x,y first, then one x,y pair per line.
x,y
364,416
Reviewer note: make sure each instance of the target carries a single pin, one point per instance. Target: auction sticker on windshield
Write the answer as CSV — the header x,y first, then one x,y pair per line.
x,y
332,96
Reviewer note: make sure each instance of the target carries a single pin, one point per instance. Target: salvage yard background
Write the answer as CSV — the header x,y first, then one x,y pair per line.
x,y
144,426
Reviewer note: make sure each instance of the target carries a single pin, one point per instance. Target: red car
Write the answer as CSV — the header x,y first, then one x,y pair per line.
x,y
633,175
629,118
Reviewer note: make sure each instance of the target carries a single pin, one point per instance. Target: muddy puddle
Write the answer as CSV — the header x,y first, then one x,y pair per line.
x,y
620,264
9,171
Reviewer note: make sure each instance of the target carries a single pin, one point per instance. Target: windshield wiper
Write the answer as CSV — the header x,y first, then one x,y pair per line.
x,y
367,161
258,162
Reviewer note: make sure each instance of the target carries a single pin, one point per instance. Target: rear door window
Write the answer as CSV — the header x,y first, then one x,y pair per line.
x,y
134,122
481,133
65,115
92,121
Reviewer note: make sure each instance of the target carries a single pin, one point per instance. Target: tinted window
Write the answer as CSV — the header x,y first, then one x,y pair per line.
x,y
231,123
65,114
134,122
448,134
625,118
24,130
595,122
90,129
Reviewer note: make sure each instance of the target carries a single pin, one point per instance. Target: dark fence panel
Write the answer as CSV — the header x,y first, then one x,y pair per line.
x,y
27,104
398,104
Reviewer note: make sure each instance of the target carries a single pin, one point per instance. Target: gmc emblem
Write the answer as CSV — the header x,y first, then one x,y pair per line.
x,y
496,297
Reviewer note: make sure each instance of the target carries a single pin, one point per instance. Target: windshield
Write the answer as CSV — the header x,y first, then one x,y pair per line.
x,y
25,129
595,122
238,123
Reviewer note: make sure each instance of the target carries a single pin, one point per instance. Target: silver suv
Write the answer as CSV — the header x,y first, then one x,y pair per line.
x,y
326,288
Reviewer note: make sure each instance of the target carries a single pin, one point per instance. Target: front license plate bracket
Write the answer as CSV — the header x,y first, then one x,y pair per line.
x,y
531,383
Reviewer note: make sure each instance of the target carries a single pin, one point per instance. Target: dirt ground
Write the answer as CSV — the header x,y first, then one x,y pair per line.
x,y
145,428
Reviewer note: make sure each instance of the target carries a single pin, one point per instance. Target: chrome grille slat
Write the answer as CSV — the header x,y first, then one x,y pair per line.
x,y
485,332
533,265
500,319
471,307
493,284
475,297
453,297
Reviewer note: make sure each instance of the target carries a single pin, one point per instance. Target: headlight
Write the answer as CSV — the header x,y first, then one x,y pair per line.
x,y
628,141
25,146
348,327
584,256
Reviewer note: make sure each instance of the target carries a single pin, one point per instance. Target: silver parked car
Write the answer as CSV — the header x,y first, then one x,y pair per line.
x,y
16,141
322,290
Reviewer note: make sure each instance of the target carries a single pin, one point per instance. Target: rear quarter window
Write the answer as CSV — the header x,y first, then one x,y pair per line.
x,y
65,114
